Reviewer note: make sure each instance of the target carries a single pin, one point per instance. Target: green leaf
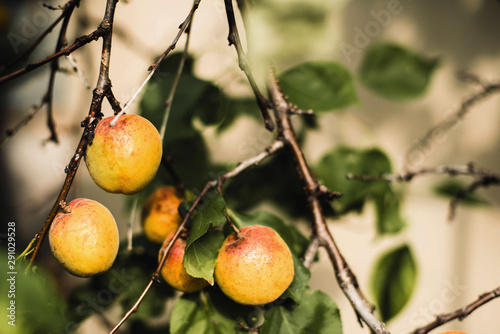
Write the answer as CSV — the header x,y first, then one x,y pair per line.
x,y
295,240
335,165
393,281
192,315
389,220
200,258
319,85
395,72
299,285
317,313
211,211
454,188
38,306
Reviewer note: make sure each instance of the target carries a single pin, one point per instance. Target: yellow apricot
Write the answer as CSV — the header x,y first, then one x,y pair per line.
x,y
125,157
173,270
160,214
254,268
84,239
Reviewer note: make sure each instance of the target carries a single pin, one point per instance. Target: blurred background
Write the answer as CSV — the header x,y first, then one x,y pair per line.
x,y
457,260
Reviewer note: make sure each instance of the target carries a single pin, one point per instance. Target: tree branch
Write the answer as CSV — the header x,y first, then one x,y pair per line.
x,y
152,69
483,177
165,249
345,277
461,313
67,10
61,42
452,120
468,169
234,39
101,31
89,124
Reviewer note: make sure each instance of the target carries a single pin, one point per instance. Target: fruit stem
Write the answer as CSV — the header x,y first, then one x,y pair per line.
x,y
235,228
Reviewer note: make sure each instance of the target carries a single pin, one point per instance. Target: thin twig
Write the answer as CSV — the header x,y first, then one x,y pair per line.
x,y
461,313
130,224
311,251
451,121
176,82
165,249
482,182
468,169
67,9
54,67
9,133
76,69
152,69
101,31
483,177
345,277
94,116
234,39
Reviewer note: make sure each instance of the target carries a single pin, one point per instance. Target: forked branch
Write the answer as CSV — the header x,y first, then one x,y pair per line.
x,y
94,116
487,89
461,313
483,177
321,234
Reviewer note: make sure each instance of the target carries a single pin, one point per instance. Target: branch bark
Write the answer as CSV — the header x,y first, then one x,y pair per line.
x,y
102,30
461,313
345,277
450,122
89,124
234,39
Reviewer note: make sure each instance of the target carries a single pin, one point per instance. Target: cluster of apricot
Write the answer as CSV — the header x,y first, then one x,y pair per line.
x,y
254,266
123,159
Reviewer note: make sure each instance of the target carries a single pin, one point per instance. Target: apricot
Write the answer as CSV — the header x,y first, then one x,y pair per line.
x,y
452,332
160,214
84,238
125,157
255,267
173,271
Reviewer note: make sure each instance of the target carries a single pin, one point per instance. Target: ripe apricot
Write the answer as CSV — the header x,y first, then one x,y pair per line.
x,y
255,267
84,238
173,270
125,157
160,214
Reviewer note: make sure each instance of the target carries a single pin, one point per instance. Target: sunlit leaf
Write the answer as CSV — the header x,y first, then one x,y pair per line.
x,y
211,211
201,256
